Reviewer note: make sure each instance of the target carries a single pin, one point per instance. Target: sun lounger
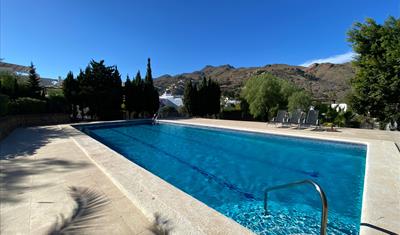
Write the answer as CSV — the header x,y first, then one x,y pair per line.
x,y
281,118
312,119
296,118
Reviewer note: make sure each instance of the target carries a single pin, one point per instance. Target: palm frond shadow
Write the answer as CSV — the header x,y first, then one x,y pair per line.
x,y
161,225
89,206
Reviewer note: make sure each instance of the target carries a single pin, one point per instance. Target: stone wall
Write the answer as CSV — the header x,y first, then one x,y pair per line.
x,y
9,123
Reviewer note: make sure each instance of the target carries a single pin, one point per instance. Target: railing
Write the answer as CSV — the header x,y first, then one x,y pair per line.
x,y
324,215
155,119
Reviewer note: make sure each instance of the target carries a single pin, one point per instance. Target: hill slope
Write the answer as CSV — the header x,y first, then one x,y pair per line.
x,y
325,81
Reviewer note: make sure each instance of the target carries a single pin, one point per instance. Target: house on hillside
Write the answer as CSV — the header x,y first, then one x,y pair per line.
x,y
229,102
23,71
167,99
14,68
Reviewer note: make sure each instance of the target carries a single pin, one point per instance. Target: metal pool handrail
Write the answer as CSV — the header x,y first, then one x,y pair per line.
x,y
324,201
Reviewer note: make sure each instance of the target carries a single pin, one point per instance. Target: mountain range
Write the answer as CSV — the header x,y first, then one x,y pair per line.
x,y
325,81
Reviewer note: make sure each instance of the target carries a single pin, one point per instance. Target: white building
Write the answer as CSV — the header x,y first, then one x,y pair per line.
x,y
339,107
168,99
227,102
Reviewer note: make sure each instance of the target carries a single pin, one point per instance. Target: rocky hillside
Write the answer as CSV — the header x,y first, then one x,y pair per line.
x,y
325,81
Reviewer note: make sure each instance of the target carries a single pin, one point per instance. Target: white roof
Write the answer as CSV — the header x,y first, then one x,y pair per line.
x,y
170,100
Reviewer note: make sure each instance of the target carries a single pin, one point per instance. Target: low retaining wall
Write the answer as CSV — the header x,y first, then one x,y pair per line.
x,y
9,123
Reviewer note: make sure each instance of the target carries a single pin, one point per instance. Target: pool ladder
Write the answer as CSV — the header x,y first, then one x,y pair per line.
x,y
154,120
324,215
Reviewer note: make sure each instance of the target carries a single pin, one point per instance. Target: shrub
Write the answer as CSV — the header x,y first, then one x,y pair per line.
x,y
168,111
26,105
57,104
9,84
4,100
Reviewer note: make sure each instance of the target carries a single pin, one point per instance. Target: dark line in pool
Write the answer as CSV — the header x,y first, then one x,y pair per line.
x,y
313,174
201,171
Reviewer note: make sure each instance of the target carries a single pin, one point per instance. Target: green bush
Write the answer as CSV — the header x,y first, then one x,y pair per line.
x,y
57,104
168,111
4,100
26,105
9,84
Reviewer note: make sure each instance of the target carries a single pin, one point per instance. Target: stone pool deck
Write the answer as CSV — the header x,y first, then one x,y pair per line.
x,y
37,167
39,164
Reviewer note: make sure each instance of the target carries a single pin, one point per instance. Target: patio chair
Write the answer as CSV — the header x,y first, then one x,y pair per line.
x,y
281,117
296,118
312,119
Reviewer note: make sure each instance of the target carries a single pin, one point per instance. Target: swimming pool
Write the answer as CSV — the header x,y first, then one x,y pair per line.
x,y
229,170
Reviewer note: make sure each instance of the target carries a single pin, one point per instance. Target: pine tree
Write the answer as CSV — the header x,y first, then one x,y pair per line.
x,y
33,82
100,89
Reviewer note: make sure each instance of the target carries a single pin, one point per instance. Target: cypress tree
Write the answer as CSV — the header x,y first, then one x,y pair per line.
x,y
71,90
202,97
151,102
215,100
138,78
149,77
189,98
116,94
128,96
82,96
33,82
138,95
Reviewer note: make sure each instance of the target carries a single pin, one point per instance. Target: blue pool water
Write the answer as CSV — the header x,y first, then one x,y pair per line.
x,y
229,170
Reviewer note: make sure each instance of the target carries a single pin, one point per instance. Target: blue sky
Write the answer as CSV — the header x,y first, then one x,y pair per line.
x,y
179,36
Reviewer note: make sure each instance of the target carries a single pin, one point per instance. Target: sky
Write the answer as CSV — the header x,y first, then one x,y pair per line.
x,y
180,36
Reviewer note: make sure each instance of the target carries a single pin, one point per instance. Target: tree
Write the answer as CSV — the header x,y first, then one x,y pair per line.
x,y
71,90
33,82
100,90
138,95
151,102
116,94
287,89
299,100
84,91
128,94
376,86
149,77
214,98
263,94
204,99
189,97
